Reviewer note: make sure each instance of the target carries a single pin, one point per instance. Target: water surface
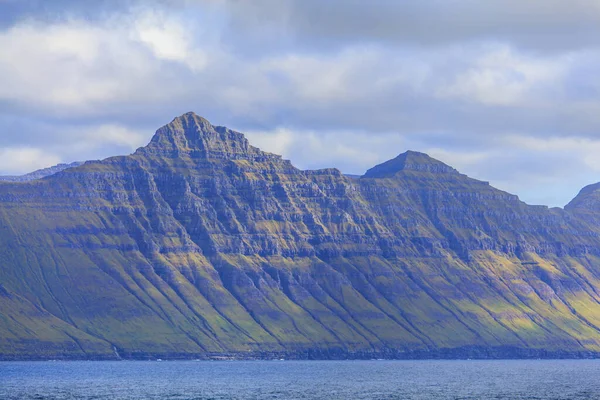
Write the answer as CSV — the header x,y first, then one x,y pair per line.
x,y
178,380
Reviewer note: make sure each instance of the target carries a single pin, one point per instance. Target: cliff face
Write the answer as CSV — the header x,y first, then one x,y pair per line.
x,y
201,244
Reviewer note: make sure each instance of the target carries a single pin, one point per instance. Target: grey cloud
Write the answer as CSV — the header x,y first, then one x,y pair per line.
x,y
13,11
542,25
384,85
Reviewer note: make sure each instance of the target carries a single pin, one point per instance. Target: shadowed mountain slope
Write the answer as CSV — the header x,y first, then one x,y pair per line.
x,y
200,244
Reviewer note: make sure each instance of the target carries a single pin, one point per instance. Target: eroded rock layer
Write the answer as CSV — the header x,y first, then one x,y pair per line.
x,y
200,244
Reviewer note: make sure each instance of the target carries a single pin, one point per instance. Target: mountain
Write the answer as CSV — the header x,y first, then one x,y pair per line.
x,y
40,173
201,245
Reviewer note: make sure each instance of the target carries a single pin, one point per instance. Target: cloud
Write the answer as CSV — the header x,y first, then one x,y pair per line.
x,y
351,152
73,66
502,78
505,91
49,143
547,171
20,160
168,40
106,135
542,25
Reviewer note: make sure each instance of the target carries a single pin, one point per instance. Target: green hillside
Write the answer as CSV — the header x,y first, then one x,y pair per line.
x,y
201,245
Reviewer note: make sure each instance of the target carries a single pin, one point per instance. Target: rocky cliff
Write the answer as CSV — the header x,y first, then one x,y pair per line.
x,y
200,245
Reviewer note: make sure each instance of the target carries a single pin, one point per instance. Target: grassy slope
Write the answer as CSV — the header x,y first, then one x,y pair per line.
x,y
168,254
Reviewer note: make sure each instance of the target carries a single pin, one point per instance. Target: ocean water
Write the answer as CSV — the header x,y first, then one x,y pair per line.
x,y
178,380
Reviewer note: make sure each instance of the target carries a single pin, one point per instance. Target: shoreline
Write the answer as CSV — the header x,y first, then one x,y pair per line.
x,y
474,353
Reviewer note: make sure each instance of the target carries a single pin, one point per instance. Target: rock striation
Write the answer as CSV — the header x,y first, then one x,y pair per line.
x,y
202,245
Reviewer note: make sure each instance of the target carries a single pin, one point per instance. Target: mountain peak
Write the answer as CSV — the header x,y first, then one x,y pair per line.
x,y
193,133
191,118
410,160
588,199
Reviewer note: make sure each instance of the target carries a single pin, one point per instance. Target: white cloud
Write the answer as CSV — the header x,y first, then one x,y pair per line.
x,y
97,141
111,134
279,141
583,149
21,160
501,77
377,82
461,160
48,64
351,152
79,66
168,39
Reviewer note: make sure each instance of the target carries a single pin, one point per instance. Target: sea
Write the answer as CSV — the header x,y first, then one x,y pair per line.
x,y
279,379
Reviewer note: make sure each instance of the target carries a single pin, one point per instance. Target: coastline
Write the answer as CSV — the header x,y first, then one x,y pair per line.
x,y
464,353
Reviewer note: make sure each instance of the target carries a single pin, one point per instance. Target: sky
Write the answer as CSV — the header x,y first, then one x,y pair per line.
x,y
506,91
